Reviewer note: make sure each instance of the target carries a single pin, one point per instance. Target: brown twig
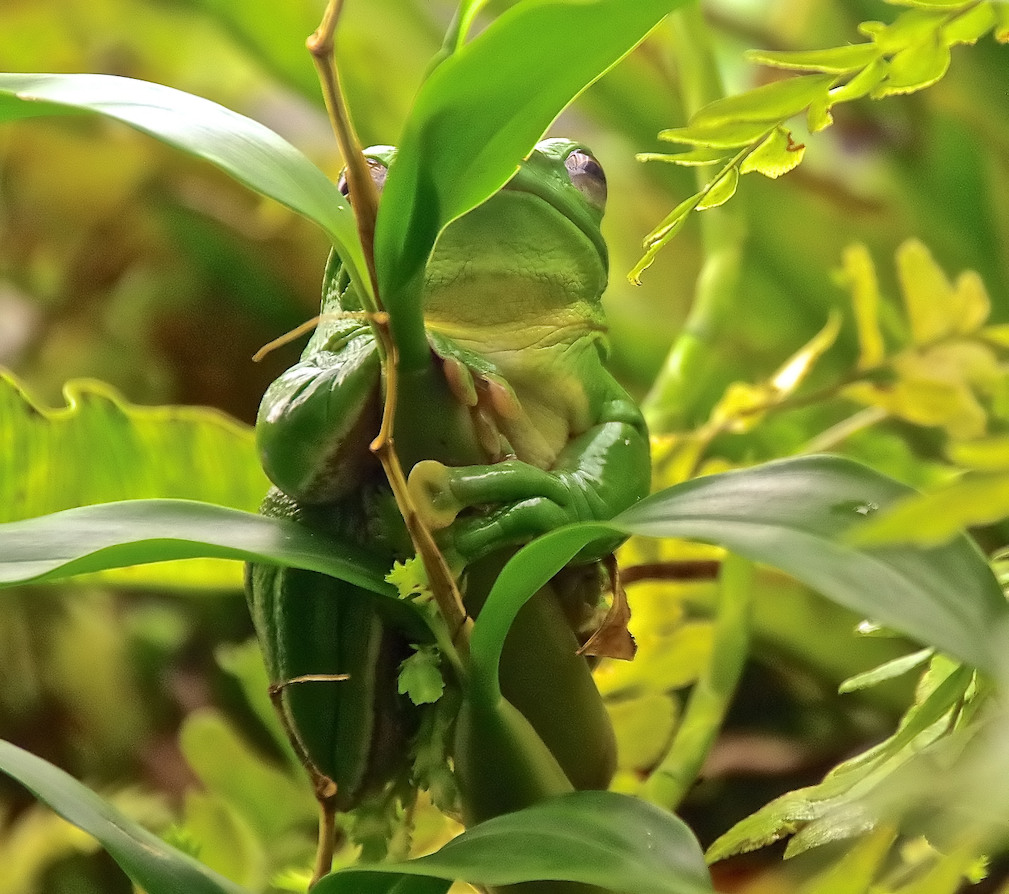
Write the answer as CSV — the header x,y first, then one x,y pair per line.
x,y
687,570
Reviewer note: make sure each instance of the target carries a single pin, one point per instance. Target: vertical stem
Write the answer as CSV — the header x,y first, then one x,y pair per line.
x,y
692,363
712,693
365,198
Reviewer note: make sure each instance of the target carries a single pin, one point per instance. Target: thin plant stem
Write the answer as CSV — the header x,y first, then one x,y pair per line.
x,y
365,197
712,693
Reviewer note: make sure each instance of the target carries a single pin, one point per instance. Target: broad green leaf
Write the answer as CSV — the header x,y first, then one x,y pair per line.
x,y
895,668
770,103
799,515
915,67
47,463
936,517
777,155
145,858
476,116
113,535
720,191
606,839
858,273
836,60
245,149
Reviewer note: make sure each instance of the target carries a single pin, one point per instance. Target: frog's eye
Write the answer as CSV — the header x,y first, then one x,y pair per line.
x,y
378,173
587,177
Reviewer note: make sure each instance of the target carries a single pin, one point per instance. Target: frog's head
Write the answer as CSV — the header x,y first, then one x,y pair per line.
x,y
532,252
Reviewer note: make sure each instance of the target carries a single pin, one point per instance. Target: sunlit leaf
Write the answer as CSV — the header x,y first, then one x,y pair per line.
x,y
614,841
862,84
720,191
915,67
927,293
859,275
970,26
935,517
477,115
694,158
248,151
908,29
776,155
145,858
770,103
970,302
932,4
989,454
1001,11
854,872
47,463
720,134
836,60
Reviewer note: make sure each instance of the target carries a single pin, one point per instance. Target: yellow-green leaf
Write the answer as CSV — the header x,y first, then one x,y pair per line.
x,y
908,29
773,102
933,518
932,4
776,155
970,303
915,67
927,292
720,191
694,158
989,454
673,221
970,26
859,274
836,60
862,84
1001,11
99,448
720,134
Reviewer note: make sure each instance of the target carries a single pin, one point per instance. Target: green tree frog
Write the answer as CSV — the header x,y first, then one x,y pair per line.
x,y
528,431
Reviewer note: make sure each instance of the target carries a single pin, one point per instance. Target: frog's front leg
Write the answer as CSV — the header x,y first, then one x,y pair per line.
x,y
316,420
599,473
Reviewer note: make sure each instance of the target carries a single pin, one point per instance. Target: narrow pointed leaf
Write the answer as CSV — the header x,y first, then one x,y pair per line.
x,y
599,838
836,60
113,535
771,103
154,865
245,149
477,115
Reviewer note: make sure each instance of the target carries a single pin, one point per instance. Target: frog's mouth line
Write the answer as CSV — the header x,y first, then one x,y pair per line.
x,y
572,209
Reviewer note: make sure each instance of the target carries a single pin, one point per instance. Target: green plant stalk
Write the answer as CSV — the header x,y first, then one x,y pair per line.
x,y
692,362
710,698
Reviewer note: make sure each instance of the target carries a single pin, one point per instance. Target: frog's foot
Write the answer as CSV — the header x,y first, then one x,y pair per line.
x,y
527,501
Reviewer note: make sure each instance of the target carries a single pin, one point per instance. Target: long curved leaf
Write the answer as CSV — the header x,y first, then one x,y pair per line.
x,y
247,150
798,515
598,838
113,535
145,858
477,115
